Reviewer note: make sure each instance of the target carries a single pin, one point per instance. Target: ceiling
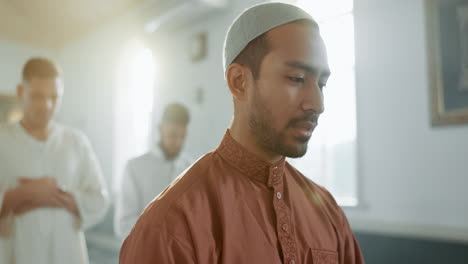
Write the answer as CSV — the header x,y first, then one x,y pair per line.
x,y
54,23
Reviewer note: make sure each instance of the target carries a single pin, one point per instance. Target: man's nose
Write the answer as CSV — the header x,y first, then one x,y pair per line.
x,y
313,98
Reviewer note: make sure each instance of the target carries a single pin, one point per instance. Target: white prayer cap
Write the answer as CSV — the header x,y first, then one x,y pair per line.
x,y
255,21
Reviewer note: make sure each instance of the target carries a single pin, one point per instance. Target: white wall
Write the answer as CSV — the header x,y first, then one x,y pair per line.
x,y
410,172
91,73
90,66
411,175
12,58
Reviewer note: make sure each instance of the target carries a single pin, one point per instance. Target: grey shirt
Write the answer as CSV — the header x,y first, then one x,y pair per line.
x,y
144,178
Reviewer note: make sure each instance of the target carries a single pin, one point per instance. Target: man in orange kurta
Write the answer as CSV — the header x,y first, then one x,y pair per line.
x,y
243,203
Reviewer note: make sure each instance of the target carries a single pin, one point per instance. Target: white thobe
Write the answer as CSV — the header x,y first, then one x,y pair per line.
x,y
144,178
50,235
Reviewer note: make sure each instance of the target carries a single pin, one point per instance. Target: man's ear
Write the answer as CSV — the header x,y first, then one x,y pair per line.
x,y
238,78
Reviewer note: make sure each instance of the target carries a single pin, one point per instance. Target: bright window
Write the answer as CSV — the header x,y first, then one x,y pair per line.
x,y
133,105
331,158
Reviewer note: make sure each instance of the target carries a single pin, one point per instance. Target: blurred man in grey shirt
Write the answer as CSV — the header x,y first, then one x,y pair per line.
x,y
149,174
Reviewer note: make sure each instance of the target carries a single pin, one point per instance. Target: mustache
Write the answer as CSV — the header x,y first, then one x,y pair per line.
x,y
313,117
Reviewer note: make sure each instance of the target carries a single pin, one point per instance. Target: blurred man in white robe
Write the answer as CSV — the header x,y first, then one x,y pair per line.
x,y
51,185
149,174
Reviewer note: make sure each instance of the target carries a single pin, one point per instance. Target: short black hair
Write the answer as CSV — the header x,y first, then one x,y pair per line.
x,y
39,67
176,113
252,55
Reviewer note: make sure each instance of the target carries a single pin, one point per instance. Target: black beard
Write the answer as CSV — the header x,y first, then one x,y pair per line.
x,y
260,123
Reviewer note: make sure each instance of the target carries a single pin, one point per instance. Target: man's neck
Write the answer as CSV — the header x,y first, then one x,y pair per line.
x,y
39,132
243,137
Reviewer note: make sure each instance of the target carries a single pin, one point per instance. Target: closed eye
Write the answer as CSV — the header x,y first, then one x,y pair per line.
x,y
322,85
296,79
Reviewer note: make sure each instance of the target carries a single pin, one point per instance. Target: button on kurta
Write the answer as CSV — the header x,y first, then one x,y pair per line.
x,y
278,195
